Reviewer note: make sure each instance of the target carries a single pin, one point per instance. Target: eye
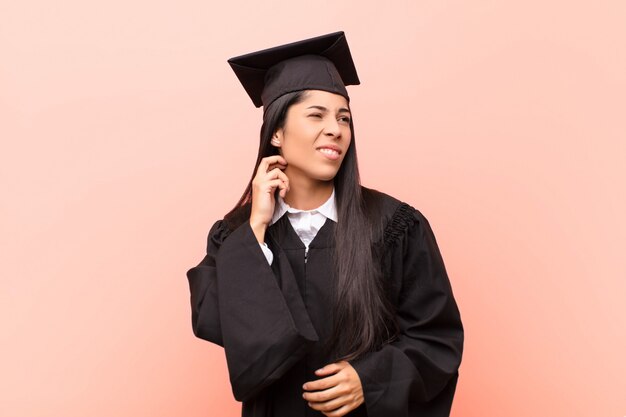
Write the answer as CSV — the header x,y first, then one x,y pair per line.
x,y
344,119
317,115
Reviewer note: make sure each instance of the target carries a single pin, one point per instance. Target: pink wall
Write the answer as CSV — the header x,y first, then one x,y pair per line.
x,y
125,135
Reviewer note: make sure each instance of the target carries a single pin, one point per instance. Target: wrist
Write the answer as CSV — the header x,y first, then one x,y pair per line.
x,y
259,229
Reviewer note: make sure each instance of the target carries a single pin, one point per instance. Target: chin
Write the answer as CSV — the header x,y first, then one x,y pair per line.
x,y
325,176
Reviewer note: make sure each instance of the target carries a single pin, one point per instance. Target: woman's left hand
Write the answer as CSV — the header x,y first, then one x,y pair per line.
x,y
337,394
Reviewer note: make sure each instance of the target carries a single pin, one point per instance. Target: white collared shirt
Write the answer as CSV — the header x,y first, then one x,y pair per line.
x,y
306,223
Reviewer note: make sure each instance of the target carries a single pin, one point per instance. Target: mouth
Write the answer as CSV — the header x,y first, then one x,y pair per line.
x,y
330,153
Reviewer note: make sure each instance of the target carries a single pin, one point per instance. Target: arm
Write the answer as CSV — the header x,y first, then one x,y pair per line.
x,y
263,326
205,317
417,373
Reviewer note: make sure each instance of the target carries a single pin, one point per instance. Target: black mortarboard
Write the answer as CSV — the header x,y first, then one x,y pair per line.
x,y
320,63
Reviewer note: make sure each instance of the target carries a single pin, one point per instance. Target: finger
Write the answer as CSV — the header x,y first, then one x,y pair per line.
x,y
273,159
282,162
273,184
330,369
277,173
326,395
276,164
323,383
330,405
342,411
267,161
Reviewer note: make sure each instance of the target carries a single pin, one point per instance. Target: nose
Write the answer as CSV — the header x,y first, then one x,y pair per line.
x,y
332,128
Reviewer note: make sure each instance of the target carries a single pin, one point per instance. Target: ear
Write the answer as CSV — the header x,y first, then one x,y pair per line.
x,y
277,138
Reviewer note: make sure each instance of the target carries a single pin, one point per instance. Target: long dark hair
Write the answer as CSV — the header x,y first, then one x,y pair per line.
x,y
362,314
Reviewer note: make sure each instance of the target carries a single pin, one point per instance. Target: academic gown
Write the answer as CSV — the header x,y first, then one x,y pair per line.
x,y
273,320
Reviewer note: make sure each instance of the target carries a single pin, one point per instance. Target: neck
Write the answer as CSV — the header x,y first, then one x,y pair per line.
x,y
308,194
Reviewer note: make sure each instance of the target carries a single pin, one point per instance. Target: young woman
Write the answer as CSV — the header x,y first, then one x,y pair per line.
x,y
328,297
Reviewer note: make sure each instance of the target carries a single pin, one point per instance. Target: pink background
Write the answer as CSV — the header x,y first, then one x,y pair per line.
x,y
125,136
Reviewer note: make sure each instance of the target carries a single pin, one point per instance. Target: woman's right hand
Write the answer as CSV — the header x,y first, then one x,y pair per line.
x,y
269,176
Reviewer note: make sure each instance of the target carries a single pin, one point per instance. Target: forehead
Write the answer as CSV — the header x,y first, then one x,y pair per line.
x,y
325,99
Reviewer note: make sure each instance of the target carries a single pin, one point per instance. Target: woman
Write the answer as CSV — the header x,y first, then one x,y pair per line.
x,y
329,298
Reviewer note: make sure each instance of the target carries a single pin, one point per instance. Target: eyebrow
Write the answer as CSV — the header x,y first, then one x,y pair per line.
x,y
322,108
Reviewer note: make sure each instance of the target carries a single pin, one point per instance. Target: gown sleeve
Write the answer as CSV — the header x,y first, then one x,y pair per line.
x,y
255,312
205,316
416,374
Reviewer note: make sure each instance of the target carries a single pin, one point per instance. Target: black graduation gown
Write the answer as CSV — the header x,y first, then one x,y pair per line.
x,y
272,320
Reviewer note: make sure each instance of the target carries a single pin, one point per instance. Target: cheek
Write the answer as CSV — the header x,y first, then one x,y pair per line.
x,y
348,138
299,145
347,134
295,152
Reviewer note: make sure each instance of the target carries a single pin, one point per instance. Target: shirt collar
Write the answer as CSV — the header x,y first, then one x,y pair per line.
x,y
328,209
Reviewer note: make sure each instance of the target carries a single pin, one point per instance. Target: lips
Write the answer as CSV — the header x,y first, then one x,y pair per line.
x,y
331,154
331,148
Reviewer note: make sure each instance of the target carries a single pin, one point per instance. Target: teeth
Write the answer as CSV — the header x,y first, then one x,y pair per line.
x,y
329,151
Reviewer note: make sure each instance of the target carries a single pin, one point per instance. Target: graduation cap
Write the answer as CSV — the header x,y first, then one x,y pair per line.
x,y
320,63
